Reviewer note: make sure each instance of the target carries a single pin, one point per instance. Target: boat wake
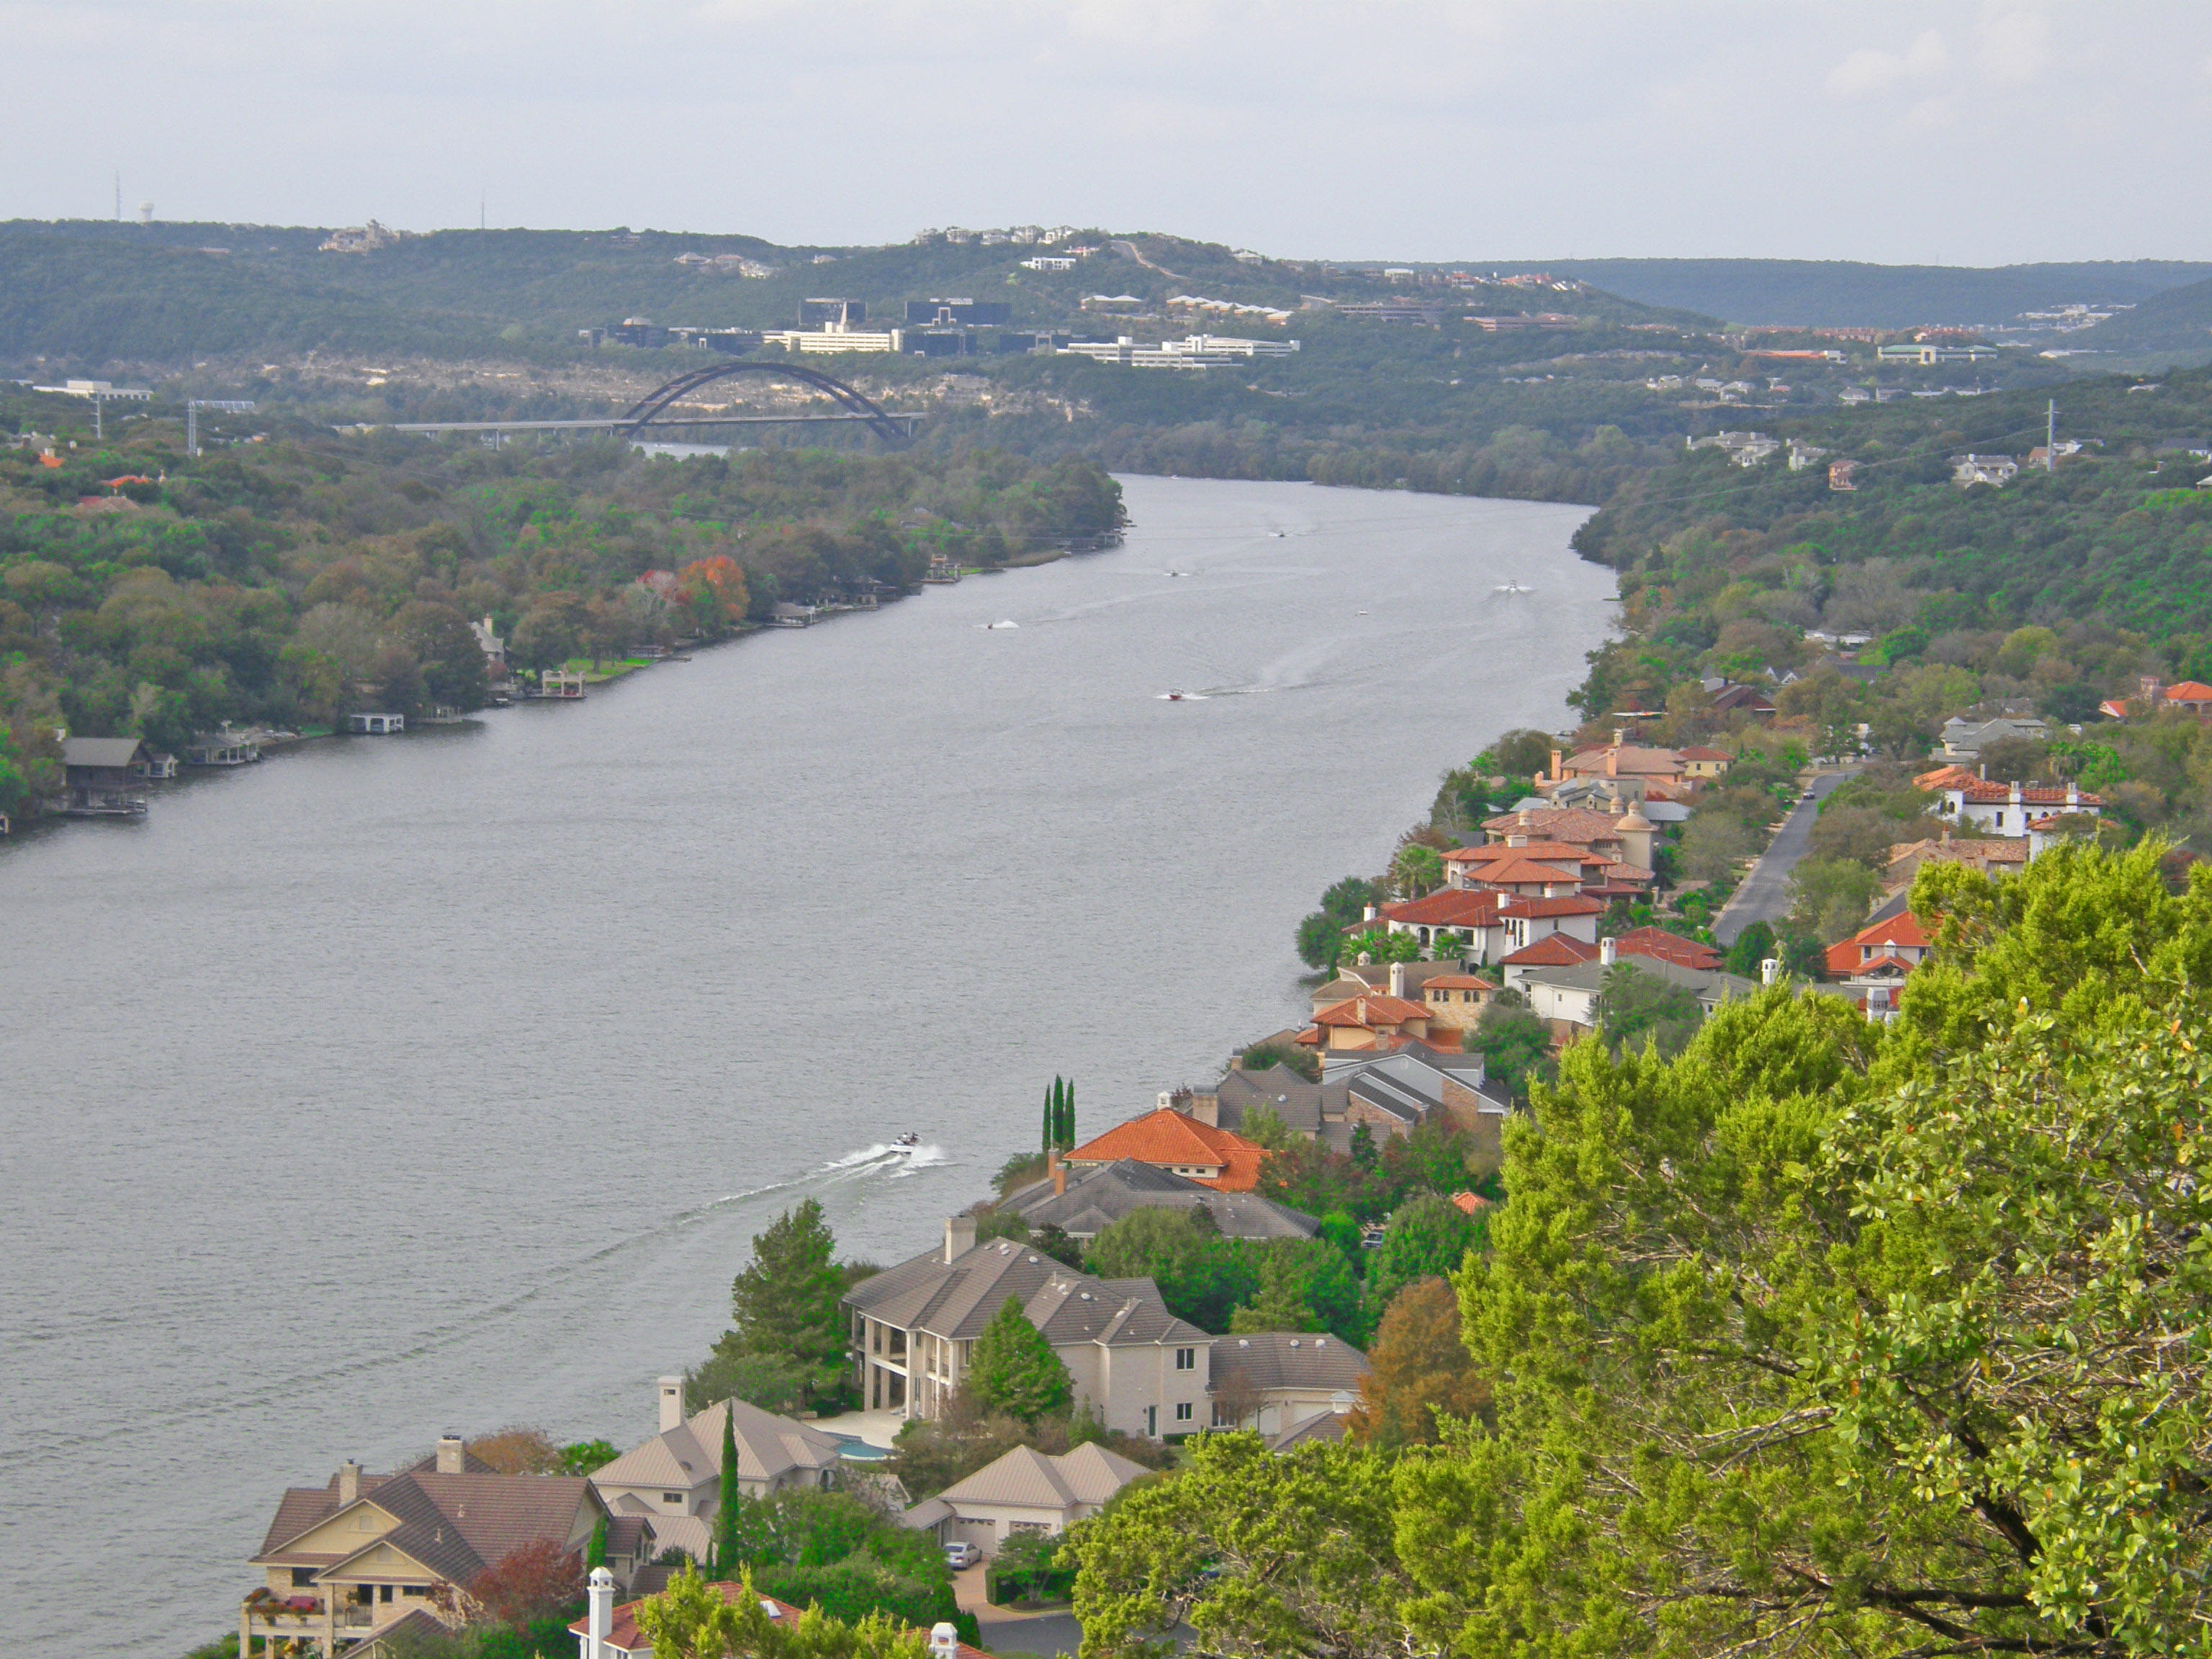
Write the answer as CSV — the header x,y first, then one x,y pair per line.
x,y
887,1159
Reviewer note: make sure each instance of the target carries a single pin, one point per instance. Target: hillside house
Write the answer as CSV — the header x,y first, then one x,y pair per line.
x,y
914,1327
346,1561
1083,1204
1568,997
674,1480
1272,1381
1178,1143
1025,1491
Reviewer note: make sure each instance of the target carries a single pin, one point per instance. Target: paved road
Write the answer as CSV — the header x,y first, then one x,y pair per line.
x,y
1764,894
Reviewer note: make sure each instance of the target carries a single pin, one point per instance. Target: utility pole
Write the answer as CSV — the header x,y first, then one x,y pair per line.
x,y
2051,436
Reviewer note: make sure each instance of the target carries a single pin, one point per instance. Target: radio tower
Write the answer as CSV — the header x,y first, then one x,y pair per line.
x,y
2051,436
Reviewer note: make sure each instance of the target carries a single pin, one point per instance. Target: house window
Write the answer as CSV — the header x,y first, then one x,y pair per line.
x,y
1152,1422
1186,1359
675,1498
303,1576
383,1592
414,1589
1183,1411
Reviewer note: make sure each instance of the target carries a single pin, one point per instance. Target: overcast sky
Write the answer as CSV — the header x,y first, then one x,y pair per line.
x,y
1954,130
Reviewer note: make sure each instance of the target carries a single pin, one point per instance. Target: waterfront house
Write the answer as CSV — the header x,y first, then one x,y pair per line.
x,y
674,1480
101,776
346,1561
1272,1381
1083,1203
1179,1142
225,746
1455,1002
376,725
1397,1091
1025,1491
1134,1365
1565,950
1368,1021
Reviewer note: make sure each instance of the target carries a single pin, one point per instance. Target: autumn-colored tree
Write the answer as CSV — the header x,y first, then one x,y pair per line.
x,y
517,1450
714,591
532,1582
1419,1371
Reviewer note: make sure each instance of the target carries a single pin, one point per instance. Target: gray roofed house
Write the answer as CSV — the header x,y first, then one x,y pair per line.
x,y
1399,1090
675,1477
1965,740
1280,1089
914,1327
1274,1380
102,775
1570,995
351,1559
1026,1490
1321,1429
1095,1199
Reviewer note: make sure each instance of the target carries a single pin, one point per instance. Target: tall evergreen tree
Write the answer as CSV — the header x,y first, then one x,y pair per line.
x,y
785,1303
1015,1370
1067,1117
1051,1118
726,1518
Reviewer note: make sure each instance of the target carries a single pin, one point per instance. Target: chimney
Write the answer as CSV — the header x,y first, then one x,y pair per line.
x,y
1770,970
450,1456
1608,951
348,1481
602,1620
1398,980
1612,758
1359,1011
672,1403
1555,766
2014,797
1058,1172
1369,913
959,1235
943,1642
2073,797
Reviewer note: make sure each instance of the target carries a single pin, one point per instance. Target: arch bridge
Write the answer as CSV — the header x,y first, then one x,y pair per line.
x,y
652,409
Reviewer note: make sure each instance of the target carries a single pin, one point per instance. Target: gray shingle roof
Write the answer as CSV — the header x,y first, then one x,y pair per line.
x,y
956,1300
768,1446
1708,987
116,752
1098,1198
1319,1430
1289,1359
1408,1084
456,1525
1025,1476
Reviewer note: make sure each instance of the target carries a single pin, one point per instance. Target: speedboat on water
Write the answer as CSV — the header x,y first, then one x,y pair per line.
x,y
906,1142
1514,587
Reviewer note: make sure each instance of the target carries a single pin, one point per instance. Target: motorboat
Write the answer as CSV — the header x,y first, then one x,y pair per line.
x,y
906,1142
1175,696
1514,587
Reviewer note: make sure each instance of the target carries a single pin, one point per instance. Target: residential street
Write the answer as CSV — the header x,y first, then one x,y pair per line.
x,y
1009,1629
1764,894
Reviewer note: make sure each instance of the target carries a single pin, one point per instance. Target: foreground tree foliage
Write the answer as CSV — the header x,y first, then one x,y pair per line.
x,y
1823,1339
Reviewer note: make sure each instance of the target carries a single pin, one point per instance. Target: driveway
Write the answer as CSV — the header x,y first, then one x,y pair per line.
x,y
1009,1629
1765,894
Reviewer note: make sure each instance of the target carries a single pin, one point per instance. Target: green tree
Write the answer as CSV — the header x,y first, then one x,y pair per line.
x,y
1753,946
1426,1238
693,1619
14,781
452,664
1201,1276
1635,1008
587,1457
1300,1285
1829,897
1015,1370
1417,870
785,1303
1514,1041
1341,909
731,1498
595,1552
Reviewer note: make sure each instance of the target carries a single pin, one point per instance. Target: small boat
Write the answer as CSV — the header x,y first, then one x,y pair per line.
x,y
906,1142
1514,587
1005,623
1175,697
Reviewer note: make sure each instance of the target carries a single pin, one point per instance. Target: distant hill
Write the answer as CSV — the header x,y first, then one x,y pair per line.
x,y
2173,329
1841,294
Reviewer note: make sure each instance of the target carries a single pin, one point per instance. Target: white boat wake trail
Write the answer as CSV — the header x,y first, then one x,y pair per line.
x,y
884,1158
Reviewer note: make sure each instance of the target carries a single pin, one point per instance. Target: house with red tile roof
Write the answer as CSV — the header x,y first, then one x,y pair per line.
x,y
1872,964
2005,809
1369,1022
1574,826
1172,1141
2189,696
617,1636
1699,762
1456,1001
1653,944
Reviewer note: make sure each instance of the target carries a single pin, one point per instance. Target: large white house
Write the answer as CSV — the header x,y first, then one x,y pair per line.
x,y
1135,1365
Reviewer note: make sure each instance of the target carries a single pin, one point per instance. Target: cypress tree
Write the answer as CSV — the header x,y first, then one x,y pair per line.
x,y
1067,1118
1051,1115
726,1519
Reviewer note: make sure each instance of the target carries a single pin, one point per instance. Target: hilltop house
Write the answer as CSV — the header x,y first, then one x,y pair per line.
x,y
1025,1491
1134,1363
1873,963
346,1561
675,1477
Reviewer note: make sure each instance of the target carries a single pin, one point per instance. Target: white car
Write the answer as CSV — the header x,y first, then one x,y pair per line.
x,y
957,1556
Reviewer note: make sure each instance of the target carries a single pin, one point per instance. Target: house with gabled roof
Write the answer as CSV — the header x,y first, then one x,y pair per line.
x,y
1136,1367
674,1480
1368,1021
1177,1142
1272,1381
1083,1203
344,1562
1569,997
1025,1491
1873,962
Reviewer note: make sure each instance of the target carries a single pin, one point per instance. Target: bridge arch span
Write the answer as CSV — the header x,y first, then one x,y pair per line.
x,y
641,414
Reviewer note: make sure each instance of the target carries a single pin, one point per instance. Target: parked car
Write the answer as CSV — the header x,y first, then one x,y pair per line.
x,y
957,1556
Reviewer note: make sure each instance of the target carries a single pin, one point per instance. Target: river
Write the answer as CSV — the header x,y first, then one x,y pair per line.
x,y
397,1087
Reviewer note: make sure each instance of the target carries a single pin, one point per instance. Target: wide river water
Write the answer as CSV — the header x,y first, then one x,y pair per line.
x,y
397,1087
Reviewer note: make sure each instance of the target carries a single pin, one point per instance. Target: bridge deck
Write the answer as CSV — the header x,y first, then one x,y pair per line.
x,y
616,424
